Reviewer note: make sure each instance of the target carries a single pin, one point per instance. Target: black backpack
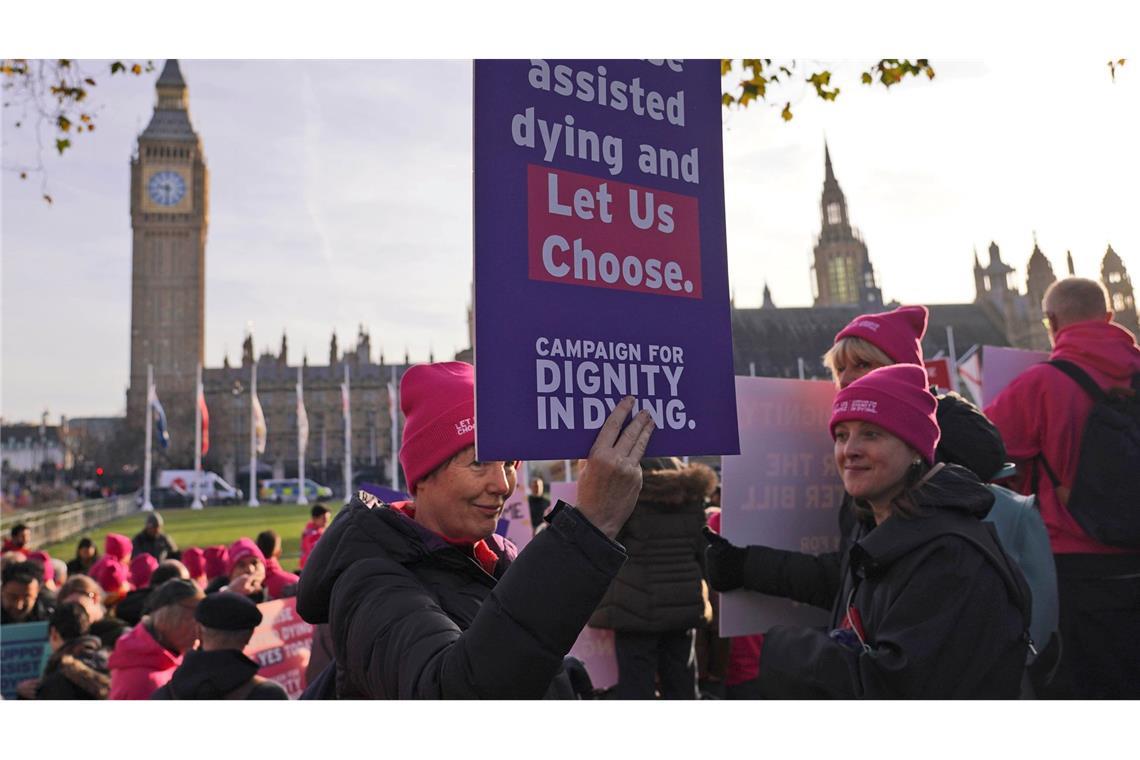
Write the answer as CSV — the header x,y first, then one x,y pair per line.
x,y
1105,496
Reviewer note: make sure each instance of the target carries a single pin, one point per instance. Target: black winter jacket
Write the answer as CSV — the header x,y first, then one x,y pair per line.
x,y
941,617
78,670
967,438
160,546
413,616
661,588
218,674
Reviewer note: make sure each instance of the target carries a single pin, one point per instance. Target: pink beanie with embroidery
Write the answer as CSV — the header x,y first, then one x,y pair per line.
x,y
142,566
118,546
438,401
896,399
898,333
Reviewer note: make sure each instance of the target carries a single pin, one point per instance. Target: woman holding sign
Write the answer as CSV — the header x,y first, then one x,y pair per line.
x,y
929,606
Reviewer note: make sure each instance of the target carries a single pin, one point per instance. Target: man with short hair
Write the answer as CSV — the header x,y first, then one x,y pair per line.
x,y
151,540
278,582
18,539
1041,416
147,657
424,600
314,529
538,501
21,590
217,669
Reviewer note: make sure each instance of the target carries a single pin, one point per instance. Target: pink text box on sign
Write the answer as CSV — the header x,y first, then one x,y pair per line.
x,y
583,230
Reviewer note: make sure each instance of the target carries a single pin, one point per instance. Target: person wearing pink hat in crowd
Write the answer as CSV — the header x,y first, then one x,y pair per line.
x,y
195,561
245,572
278,582
217,560
930,605
114,578
141,567
422,598
44,559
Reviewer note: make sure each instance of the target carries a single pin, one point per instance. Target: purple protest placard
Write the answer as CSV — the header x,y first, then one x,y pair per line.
x,y
1001,365
600,263
783,491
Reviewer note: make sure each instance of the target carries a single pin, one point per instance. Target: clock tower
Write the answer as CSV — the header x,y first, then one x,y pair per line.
x,y
168,263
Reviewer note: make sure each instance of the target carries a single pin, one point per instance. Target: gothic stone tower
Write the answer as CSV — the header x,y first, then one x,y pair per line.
x,y
1038,277
1119,284
843,272
168,270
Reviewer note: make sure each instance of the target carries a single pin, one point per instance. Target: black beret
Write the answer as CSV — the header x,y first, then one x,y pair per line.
x,y
227,611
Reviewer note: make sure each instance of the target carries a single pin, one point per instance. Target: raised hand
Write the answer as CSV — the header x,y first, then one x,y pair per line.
x,y
610,479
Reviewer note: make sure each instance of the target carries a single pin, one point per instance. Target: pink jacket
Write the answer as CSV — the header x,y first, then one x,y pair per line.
x,y
139,665
277,579
309,537
1044,412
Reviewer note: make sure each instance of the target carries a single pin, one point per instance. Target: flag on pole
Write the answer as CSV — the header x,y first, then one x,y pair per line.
x,y
260,431
159,417
302,422
205,419
344,398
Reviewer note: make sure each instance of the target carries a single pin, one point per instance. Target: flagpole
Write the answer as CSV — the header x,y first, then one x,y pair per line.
x,y
197,503
301,498
147,506
953,358
253,502
347,435
394,428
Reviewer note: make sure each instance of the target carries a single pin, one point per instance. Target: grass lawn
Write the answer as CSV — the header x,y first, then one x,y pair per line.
x,y
209,526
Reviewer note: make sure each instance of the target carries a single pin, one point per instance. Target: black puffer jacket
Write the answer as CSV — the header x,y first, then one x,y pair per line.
x,y
413,616
661,588
78,670
943,610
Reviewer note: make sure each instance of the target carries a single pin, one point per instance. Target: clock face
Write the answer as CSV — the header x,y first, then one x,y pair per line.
x,y
166,188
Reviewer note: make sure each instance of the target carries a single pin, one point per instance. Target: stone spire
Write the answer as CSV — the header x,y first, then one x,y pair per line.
x,y
1069,257
768,303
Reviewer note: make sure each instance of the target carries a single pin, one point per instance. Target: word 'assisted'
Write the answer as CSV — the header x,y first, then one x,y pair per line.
x,y
607,234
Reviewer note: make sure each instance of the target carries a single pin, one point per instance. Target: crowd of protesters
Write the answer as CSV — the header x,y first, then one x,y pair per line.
x,y
967,566
130,623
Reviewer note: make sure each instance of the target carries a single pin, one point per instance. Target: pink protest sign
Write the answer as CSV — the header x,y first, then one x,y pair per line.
x,y
595,646
781,491
1000,365
281,645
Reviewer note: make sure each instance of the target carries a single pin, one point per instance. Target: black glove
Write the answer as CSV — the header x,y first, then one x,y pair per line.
x,y
725,562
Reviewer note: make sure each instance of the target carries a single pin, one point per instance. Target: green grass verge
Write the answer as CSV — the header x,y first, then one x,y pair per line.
x,y
209,526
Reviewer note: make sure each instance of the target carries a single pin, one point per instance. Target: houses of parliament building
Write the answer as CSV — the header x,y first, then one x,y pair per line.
x,y
169,208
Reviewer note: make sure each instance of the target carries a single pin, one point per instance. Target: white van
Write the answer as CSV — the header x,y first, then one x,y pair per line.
x,y
212,486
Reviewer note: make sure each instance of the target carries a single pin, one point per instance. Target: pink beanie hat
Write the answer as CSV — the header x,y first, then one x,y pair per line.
x,y
438,401
44,559
896,399
118,546
217,561
239,550
195,561
898,333
112,576
141,568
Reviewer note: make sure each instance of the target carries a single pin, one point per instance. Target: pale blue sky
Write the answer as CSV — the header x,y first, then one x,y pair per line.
x,y
340,194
